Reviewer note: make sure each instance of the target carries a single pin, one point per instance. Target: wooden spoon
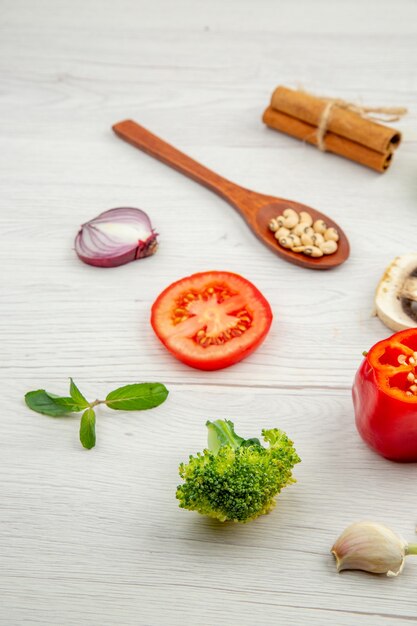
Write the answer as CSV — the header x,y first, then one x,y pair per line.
x,y
256,208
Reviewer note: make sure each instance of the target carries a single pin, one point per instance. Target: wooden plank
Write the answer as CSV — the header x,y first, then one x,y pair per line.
x,y
96,537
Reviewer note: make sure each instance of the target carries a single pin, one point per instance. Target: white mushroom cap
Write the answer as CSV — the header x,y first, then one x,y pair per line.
x,y
396,294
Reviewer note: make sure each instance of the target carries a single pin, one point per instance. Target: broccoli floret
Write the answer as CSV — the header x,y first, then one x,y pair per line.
x,y
236,479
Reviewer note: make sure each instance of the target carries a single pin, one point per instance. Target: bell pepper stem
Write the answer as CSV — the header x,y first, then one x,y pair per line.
x,y
411,548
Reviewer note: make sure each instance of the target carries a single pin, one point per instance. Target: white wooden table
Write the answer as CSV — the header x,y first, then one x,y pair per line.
x,y
96,538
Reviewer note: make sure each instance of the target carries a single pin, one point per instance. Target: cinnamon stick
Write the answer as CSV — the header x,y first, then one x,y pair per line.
x,y
342,121
332,125
337,144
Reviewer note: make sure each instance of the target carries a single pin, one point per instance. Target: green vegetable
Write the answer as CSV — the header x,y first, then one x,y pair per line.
x,y
237,479
137,397
77,396
88,429
46,403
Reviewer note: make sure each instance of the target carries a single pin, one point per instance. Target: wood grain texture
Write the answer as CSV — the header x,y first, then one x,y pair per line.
x,y
96,538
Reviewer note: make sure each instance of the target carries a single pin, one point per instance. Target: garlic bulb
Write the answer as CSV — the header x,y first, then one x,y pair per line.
x,y
371,547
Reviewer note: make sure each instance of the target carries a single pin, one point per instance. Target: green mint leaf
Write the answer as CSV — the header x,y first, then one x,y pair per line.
x,y
88,429
67,402
77,396
45,403
137,397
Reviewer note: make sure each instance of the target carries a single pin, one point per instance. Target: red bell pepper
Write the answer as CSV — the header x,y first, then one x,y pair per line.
x,y
385,397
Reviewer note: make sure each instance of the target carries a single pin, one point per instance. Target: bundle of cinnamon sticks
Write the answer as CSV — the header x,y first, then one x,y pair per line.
x,y
333,125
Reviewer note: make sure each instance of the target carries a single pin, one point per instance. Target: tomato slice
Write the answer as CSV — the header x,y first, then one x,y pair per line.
x,y
211,320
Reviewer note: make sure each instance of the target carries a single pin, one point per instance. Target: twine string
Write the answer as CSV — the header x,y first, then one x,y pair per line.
x,y
378,114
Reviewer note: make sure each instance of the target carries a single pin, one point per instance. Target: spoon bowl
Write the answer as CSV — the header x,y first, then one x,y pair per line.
x,y
275,207
256,209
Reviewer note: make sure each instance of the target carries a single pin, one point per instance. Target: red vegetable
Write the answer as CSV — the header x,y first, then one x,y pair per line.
x,y
385,397
211,320
115,237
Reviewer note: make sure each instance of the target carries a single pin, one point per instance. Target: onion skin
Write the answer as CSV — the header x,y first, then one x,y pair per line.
x,y
118,252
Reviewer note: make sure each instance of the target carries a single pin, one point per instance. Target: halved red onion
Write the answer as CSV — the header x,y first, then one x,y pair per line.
x,y
115,237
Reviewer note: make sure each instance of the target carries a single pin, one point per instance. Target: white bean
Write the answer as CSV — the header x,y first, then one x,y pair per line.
x,y
313,251
291,219
305,218
273,225
285,242
320,226
306,239
298,229
296,240
328,247
331,234
317,239
290,213
282,232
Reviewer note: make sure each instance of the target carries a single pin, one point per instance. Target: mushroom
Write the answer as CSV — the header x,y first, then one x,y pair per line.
x,y
396,294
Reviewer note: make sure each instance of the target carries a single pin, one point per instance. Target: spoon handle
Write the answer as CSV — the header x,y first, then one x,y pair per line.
x,y
141,138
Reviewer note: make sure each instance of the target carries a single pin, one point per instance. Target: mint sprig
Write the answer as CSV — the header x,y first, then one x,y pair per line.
x,y
136,397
